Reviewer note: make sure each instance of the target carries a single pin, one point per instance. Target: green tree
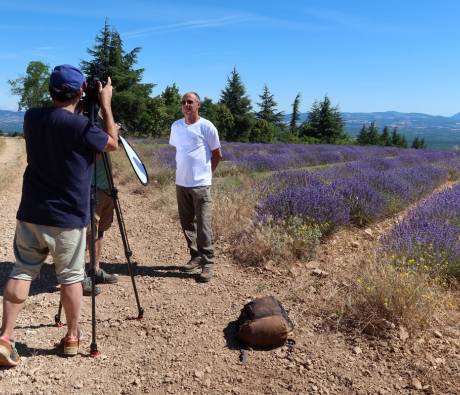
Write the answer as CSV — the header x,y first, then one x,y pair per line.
x,y
418,143
219,115
32,88
267,107
363,136
324,123
373,135
397,139
385,137
172,98
238,103
262,131
131,103
295,116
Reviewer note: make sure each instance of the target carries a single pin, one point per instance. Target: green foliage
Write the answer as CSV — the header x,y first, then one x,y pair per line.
x,y
418,143
235,99
171,98
32,88
220,115
397,139
369,135
262,132
131,103
324,123
268,106
385,138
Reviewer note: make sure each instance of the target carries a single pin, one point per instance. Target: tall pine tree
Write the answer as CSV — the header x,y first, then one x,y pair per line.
x,y
324,123
238,103
131,102
267,107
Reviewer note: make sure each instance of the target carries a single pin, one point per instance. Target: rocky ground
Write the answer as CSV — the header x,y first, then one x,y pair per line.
x,y
185,343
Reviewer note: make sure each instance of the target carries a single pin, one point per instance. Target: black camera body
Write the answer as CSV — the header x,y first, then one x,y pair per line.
x,y
91,97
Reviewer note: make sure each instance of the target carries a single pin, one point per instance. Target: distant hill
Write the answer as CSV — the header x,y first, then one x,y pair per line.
x,y
11,121
439,132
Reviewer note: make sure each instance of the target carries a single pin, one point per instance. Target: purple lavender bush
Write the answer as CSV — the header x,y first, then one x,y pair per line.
x,y
319,204
365,204
429,237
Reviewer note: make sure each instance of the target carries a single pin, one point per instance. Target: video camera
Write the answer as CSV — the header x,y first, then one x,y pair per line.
x,y
90,101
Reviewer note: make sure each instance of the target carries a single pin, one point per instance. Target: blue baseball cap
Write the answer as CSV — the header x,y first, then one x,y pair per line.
x,y
66,78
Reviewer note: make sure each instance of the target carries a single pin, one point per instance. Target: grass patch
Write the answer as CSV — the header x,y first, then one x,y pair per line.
x,y
384,293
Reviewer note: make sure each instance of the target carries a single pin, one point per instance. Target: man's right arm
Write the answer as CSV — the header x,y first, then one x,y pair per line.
x,y
111,128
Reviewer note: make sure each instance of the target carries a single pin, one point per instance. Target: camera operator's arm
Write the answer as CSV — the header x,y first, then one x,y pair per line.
x,y
105,100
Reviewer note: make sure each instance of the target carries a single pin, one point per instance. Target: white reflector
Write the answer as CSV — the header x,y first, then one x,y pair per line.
x,y
136,163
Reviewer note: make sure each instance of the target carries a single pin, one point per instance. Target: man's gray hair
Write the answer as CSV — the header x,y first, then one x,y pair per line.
x,y
194,94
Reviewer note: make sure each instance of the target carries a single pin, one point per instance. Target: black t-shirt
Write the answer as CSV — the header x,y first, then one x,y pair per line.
x,y
60,152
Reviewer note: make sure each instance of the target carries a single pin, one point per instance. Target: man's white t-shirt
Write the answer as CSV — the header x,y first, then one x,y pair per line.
x,y
194,144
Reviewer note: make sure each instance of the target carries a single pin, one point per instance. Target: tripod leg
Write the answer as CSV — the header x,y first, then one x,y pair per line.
x,y
124,237
92,252
57,317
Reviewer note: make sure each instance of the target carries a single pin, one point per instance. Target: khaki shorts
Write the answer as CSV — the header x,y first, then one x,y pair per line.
x,y
33,243
103,215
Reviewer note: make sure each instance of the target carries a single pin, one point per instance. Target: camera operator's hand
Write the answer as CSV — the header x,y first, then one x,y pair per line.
x,y
105,93
105,99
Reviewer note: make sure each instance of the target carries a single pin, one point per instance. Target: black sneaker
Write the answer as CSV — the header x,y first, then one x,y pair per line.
x,y
8,354
102,277
87,287
192,265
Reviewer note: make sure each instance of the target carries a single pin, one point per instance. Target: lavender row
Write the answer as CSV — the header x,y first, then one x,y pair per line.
x,y
353,193
429,237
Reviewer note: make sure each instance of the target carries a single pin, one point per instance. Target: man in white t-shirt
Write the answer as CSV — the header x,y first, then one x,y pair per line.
x,y
197,155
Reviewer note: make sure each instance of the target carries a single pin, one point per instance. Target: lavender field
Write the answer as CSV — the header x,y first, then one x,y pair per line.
x,y
272,157
303,193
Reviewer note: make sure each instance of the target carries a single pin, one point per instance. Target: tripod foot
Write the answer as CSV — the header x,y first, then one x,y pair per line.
x,y
93,350
57,321
141,314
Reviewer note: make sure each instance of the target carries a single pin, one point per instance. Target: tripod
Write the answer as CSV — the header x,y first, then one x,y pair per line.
x,y
92,245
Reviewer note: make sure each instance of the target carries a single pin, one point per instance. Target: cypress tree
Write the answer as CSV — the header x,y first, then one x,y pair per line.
x,y
295,114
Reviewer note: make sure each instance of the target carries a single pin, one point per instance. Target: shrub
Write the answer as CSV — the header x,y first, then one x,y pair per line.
x,y
401,296
280,242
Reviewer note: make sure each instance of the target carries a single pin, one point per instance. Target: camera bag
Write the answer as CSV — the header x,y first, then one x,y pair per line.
x,y
263,323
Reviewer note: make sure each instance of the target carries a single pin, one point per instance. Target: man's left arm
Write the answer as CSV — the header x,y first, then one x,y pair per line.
x,y
216,156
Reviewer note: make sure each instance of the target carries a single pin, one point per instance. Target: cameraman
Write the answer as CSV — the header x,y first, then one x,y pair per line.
x,y
54,209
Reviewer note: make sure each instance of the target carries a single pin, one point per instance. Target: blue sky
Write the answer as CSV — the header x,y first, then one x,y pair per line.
x,y
366,55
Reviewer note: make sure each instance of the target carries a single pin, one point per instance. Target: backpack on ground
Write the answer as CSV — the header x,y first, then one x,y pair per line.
x,y
263,323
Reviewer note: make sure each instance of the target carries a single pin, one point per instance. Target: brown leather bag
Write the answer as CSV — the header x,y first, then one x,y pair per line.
x,y
264,323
